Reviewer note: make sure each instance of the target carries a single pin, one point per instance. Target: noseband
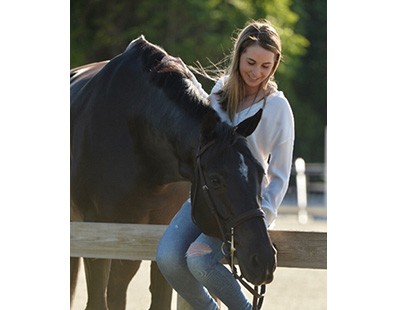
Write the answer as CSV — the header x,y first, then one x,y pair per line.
x,y
227,227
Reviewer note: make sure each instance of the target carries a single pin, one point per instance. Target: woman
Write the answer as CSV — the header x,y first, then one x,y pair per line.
x,y
189,259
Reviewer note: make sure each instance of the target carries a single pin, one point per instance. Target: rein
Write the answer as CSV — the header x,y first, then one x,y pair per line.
x,y
257,292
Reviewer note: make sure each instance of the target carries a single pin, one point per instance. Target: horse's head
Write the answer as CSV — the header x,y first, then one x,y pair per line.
x,y
226,197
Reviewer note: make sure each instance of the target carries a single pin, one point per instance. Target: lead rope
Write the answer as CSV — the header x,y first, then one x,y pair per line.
x,y
258,295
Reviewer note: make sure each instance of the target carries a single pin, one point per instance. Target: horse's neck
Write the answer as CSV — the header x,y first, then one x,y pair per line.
x,y
186,142
178,120
182,133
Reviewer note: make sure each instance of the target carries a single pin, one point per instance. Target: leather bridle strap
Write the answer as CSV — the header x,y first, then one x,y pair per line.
x,y
207,195
258,296
235,221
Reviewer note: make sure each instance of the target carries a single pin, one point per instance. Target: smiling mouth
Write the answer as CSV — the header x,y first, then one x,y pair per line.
x,y
253,80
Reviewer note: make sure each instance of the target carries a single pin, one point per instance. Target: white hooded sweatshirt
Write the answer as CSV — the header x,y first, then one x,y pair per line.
x,y
272,139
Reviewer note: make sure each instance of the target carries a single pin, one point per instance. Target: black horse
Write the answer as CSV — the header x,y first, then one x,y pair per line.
x,y
141,133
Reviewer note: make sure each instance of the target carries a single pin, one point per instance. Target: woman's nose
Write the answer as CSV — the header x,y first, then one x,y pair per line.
x,y
255,72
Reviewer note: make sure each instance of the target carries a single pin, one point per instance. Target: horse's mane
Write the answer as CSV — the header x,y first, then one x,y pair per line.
x,y
174,79
171,76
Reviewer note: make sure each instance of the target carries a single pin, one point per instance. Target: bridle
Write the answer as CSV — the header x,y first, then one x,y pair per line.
x,y
227,229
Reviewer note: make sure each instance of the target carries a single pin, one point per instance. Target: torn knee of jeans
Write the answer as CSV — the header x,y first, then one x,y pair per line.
x,y
198,249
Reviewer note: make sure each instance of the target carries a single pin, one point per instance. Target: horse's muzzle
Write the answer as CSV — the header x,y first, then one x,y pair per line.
x,y
267,274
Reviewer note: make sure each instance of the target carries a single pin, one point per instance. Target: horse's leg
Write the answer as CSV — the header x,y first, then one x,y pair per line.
x,y
97,276
121,273
159,288
74,270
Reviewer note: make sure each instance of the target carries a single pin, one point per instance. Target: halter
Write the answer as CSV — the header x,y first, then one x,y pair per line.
x,y
258,293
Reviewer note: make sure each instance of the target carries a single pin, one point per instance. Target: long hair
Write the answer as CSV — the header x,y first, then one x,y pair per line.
x,y
232,91
256,32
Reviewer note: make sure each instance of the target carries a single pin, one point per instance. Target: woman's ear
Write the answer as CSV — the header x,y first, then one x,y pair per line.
x,y
247,127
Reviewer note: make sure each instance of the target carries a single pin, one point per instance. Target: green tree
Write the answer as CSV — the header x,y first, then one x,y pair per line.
x,y
201,31
311,85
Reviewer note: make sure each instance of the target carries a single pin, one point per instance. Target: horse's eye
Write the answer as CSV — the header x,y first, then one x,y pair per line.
x,y
215,182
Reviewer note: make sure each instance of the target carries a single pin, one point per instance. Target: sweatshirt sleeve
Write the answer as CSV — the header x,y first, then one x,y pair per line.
x,y
275,188
273,144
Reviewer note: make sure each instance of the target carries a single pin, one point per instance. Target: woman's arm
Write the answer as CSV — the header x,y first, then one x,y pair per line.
x,y
274,139
275,186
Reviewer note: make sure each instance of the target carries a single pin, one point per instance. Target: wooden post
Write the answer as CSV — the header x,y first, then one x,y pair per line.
x,y
301,190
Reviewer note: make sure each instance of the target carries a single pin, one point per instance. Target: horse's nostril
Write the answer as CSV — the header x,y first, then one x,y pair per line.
x,y
268,269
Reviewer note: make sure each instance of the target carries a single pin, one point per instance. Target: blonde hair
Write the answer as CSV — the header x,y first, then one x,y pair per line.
x,y
259,32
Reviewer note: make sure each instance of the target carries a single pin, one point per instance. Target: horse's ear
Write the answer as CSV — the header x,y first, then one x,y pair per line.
x,y
208,127
247,127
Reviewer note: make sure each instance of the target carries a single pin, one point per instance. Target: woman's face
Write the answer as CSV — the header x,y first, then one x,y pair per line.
x,y
256,64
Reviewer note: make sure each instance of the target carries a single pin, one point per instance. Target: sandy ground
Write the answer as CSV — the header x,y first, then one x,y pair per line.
x,y
292,289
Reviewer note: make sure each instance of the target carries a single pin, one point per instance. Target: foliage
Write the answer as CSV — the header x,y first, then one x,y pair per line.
x,y
202,31
310,105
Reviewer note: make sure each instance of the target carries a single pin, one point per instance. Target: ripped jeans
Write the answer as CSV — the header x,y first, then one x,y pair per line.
x,y
190,261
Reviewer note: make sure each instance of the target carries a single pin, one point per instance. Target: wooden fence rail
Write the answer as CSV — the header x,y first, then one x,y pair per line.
x,y
139,242
298,249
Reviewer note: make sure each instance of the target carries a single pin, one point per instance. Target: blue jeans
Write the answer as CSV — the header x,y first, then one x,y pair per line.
x,y
190,261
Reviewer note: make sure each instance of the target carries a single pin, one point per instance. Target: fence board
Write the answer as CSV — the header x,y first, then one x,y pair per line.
x,y
299,249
